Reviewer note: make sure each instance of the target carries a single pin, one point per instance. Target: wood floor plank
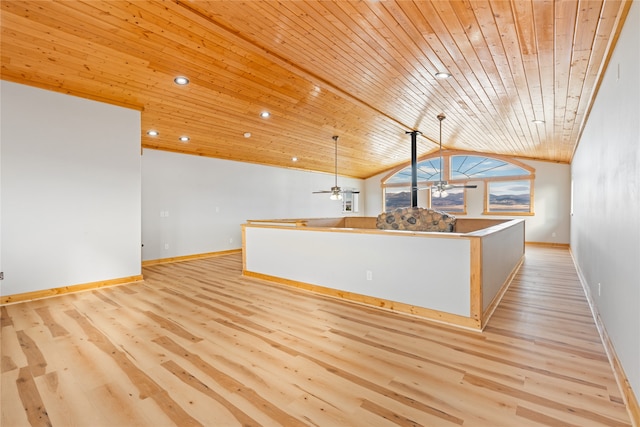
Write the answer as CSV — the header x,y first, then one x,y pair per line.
x,y
35,359
587,414
229,383
67,402
31,400
542,418
113,405
12,354
12,411
146,385
196,343
5,319
54,327
188,378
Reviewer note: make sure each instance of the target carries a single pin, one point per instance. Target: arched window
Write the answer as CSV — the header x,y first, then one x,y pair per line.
x,y
507,184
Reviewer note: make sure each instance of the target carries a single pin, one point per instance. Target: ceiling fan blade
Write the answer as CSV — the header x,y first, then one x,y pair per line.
x,y
462,186
341,191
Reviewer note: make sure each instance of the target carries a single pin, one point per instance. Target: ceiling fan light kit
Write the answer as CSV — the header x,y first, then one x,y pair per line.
x,y
335,193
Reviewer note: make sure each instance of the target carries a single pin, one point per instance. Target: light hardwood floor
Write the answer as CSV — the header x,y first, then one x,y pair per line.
x,y
198,344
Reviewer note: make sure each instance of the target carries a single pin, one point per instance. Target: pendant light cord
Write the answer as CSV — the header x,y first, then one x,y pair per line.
x,y
441,117
335,138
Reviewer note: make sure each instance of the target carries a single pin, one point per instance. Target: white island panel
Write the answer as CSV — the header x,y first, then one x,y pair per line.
x,y
420,270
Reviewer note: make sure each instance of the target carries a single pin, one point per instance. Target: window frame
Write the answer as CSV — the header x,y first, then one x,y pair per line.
x,y
446,174
486,211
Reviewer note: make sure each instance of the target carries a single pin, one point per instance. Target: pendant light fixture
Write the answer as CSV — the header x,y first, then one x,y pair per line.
x,y
438,189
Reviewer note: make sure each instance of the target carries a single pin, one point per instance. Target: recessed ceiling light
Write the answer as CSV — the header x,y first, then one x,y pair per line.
x,y
537,121
294,159
247,134
265,114
184,138
181,80
442,75
153,133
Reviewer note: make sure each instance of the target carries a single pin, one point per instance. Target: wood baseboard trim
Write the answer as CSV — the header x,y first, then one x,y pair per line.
x,y
630,399
188,257
46,293
548,244
399,307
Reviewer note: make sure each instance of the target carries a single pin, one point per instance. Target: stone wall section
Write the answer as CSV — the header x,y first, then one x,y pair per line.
x,y
416,219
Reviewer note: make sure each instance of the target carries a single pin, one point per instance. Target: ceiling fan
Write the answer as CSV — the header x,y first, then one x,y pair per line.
x,y
439,188
336,192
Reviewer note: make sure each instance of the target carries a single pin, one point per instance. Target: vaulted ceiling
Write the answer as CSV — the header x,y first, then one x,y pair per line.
x,y
523,73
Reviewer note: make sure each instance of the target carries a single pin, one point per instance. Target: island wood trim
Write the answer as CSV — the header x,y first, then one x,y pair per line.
x,y
475,282
467,226
493,228
420,234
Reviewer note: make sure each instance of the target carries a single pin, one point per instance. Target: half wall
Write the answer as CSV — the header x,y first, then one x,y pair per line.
x,y
440,276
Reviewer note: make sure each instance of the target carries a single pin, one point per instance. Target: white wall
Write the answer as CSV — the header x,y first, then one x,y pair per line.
x,y
552,197
193,205
605,227
70,190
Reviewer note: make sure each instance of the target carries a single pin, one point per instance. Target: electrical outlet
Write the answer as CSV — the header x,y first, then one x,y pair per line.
x,y
599,289
369,275
166,246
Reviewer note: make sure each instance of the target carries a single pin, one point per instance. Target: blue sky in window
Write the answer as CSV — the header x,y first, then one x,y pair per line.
x,y
427,170
463,167
509,187
469,167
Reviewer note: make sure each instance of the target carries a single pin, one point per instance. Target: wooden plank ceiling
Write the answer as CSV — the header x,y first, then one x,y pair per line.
x,y
363,70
